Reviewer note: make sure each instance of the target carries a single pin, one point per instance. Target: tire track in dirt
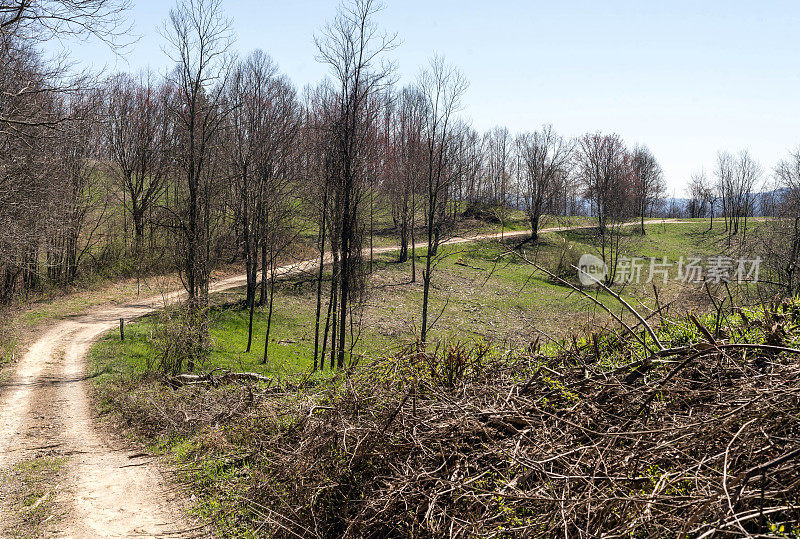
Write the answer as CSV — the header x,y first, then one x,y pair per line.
x,y
19,395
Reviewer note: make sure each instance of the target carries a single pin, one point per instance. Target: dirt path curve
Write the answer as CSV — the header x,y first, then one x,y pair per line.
x,y
108,490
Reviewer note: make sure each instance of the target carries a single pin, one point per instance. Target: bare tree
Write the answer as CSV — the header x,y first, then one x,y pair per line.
x,y
702,197
276,171
465,170
280,230
497,147
48,139
316,173
138,133
696,207
42,20
648,182
736,177
254,93
780,246
544,163
442,87
79,201
24,163
37,189
473,156
198,38
26,24
606,173
406,158
353,47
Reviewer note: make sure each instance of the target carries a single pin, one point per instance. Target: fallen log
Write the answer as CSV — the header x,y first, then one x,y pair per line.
x,y
216,379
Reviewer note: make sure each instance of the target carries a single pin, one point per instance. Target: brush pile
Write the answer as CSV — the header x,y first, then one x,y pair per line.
x,y
701,439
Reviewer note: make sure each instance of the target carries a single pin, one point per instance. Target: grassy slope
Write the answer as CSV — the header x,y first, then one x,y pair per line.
x,y
485,296
315,457
481,293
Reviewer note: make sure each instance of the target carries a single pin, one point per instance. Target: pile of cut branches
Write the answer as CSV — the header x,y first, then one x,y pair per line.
x,y
607,435
701,439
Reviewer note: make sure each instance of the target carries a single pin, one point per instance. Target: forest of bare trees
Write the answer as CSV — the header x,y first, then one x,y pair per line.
x,y
223,161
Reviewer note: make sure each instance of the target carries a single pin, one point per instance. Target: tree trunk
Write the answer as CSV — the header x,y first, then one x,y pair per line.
x,y
251,305
251,287
263,299
331,301
269,315
319,288
344,285
413,244
535,228
334,298
403,256
711,226
643,210
426,274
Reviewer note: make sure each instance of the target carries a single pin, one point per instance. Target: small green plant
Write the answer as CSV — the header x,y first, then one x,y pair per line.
x,y
783,530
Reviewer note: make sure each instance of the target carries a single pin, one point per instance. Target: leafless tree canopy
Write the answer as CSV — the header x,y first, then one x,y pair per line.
x,y
354,48
222,164
199,39
138,137
223,161
544,158
648,183
736,179
605,169
781,246
41,20
51,201
442,88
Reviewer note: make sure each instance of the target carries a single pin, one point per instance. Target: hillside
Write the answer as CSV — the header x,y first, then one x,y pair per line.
x,y
553,429
698,437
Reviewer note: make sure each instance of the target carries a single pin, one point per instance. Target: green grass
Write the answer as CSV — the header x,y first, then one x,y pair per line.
x,y
110,356
384,233
479,294
672,240
225,462
23,321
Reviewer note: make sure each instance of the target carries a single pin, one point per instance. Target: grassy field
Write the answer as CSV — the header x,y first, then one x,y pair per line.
x,y
385,234
23,321
481,293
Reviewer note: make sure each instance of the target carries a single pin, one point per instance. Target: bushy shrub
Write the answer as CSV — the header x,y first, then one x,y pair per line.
x,y
181,337
567,261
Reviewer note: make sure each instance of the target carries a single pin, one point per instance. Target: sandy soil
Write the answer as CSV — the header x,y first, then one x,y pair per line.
x,y
108,489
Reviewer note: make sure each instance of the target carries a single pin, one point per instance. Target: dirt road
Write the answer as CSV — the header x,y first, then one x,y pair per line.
x,y
106,489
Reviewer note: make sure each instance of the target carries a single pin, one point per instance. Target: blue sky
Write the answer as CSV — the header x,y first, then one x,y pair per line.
x,y
685,78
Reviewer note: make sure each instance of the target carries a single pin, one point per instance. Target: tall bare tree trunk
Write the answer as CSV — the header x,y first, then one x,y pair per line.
x,y
269,311
413,238
320,272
